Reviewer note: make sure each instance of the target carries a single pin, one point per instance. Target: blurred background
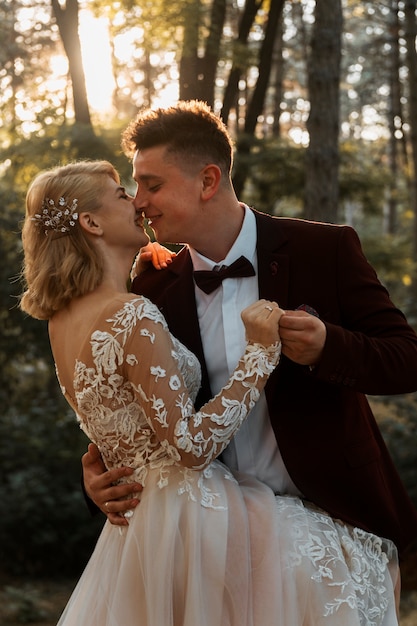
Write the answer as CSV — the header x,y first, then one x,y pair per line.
x,y
321,101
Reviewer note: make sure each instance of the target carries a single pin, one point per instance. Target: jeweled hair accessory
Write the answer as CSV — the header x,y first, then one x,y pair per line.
x,y
60,219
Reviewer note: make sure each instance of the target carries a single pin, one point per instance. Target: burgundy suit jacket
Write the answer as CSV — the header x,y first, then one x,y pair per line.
x,y
327,435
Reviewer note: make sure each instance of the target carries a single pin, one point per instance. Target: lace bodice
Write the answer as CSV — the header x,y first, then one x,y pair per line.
x,y
134,387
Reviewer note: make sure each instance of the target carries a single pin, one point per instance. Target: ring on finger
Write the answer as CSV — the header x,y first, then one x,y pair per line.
x,y
106,506
269,308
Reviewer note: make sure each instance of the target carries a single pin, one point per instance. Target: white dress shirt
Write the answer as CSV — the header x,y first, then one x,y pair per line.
x,y
254,448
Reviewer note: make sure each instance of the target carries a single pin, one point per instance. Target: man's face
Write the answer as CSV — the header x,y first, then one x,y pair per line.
x,y
169,196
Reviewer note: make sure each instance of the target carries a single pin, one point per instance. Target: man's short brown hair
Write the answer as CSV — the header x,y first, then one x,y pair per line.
x,y
189,129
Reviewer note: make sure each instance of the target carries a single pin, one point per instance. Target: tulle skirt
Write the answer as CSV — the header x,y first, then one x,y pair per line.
x,y
238,556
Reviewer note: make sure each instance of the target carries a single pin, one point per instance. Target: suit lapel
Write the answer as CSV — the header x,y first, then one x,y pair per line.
x,y
273,264
179,309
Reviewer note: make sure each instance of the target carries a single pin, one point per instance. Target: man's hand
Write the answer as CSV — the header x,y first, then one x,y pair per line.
x,y
302,336
114,500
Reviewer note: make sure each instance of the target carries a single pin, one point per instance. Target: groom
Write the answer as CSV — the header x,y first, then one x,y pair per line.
x,y
313,432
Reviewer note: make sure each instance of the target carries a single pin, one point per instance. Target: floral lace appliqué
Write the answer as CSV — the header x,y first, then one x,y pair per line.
x,y
348,561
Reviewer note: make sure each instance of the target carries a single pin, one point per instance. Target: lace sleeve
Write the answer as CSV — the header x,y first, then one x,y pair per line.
x,y
192,438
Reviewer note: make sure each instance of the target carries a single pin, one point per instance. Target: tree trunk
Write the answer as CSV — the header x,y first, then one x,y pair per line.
x,y
394,115
12,46
189,63
322,155
410,37
256,105
278,80
67,20
148,82
208,66
230,94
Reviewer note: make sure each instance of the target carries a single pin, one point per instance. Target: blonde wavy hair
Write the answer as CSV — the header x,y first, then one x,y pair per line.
x,y
57,269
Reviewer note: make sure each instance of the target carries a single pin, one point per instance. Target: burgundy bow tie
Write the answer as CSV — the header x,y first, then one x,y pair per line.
x,y
209,280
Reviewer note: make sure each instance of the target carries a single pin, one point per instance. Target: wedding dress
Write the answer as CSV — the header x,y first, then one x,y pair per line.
x,y
205,546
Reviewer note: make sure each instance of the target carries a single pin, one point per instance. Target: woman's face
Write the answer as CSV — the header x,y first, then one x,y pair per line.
x,y
122,224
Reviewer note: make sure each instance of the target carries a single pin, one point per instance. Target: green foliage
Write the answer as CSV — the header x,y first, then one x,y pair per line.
x,y
18,346
57,145
275,175
44,526
23,605
362,176
390,255
397,417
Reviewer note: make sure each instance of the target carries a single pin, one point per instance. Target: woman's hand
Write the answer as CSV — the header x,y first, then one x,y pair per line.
x,y
261,321
154,253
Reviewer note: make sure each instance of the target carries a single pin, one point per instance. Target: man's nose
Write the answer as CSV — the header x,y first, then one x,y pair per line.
x,y
140,201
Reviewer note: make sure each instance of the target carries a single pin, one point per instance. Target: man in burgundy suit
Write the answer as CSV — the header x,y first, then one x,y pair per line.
x,y
313,432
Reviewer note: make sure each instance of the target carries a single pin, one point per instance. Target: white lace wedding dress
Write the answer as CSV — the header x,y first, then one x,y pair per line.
x,y
205,547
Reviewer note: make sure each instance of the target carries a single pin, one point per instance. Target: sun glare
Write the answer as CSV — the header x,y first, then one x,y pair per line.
x,y
97,63
96,53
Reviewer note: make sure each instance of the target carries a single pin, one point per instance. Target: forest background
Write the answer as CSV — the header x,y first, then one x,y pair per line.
x,y
321,100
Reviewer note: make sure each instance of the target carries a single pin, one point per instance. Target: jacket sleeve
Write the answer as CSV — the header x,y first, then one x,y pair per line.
x,y
371,347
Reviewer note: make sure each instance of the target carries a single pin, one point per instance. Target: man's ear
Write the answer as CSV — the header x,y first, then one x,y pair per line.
x,y
90,223
210,177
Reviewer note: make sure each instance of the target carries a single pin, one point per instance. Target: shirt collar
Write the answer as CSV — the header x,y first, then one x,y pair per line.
x,y
244,245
